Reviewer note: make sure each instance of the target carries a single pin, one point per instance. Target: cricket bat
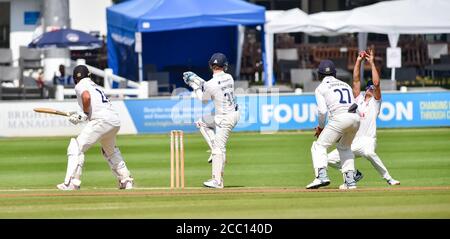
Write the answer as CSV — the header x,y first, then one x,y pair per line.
x,y
51,111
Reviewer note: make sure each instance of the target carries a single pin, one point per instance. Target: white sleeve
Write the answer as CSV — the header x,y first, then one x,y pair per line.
x,y
198,93
202,94
206,92
80,88
321,107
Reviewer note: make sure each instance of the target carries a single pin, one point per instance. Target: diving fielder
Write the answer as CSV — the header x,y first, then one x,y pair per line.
x,y
103,125
216,128
369,103
335,98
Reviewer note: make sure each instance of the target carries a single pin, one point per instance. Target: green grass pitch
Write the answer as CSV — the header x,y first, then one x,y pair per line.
x,y
264,178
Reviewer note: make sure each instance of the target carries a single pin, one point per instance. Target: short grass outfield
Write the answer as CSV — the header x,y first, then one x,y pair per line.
x,y
265,177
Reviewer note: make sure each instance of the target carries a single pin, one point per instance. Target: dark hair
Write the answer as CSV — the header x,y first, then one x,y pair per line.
x,y
62,69
216,67
321,75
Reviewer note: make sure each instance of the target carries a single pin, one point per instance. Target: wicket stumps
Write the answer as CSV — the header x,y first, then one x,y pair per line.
x,y
176,159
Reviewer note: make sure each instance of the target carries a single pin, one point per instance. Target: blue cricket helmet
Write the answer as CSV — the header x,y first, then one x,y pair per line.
x,y
327,67
218,59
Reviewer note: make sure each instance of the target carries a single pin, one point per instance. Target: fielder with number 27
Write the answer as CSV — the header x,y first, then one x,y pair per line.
x,y
335,99
103,125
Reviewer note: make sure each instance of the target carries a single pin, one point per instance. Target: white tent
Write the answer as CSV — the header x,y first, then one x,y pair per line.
x,y
294,20
272,14
389,17
399,17
281,22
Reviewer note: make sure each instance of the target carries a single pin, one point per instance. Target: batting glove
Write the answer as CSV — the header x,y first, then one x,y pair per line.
x,y
77,117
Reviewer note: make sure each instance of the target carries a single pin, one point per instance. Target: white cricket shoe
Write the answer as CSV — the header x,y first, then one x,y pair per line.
x,y
212,183
69,187
317,183
346,187
349,180
126,183
393,182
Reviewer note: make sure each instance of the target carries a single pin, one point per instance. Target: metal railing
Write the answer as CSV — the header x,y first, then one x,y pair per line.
x,y
139,90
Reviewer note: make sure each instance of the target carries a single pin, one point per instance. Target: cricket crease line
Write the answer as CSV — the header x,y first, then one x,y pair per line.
x,y
203,191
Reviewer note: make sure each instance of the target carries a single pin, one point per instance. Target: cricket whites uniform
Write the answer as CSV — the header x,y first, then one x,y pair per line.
x,y
365,141
217,128
335,99
103,125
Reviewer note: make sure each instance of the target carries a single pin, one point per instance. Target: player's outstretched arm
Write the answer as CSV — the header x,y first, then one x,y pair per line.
x,y
193,80
357,74
196,83
370,57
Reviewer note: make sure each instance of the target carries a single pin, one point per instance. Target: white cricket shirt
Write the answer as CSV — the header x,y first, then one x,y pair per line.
x,y
101,107
220,89
333,96
369,112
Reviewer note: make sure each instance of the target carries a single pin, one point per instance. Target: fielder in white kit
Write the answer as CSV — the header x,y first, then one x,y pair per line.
x,y
335,98
103,125
369,103
216,128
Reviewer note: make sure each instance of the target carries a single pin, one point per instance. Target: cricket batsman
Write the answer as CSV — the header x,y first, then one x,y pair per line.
x,y
335,98
103,123
369,103
216,128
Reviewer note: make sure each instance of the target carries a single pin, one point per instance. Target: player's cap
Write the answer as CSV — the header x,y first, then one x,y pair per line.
x,y
218,59
369,85
80,72
327,67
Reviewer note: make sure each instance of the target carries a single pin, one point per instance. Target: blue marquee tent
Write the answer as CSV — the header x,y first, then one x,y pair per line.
x,y
176,35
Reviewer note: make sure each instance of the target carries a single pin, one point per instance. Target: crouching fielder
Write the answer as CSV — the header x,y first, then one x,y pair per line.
x,y
369,103
103,125
216,128
335,98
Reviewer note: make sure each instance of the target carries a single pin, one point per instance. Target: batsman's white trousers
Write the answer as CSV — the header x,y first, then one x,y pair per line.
x,y
216,131
341,129
362,147
93,132
98,130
